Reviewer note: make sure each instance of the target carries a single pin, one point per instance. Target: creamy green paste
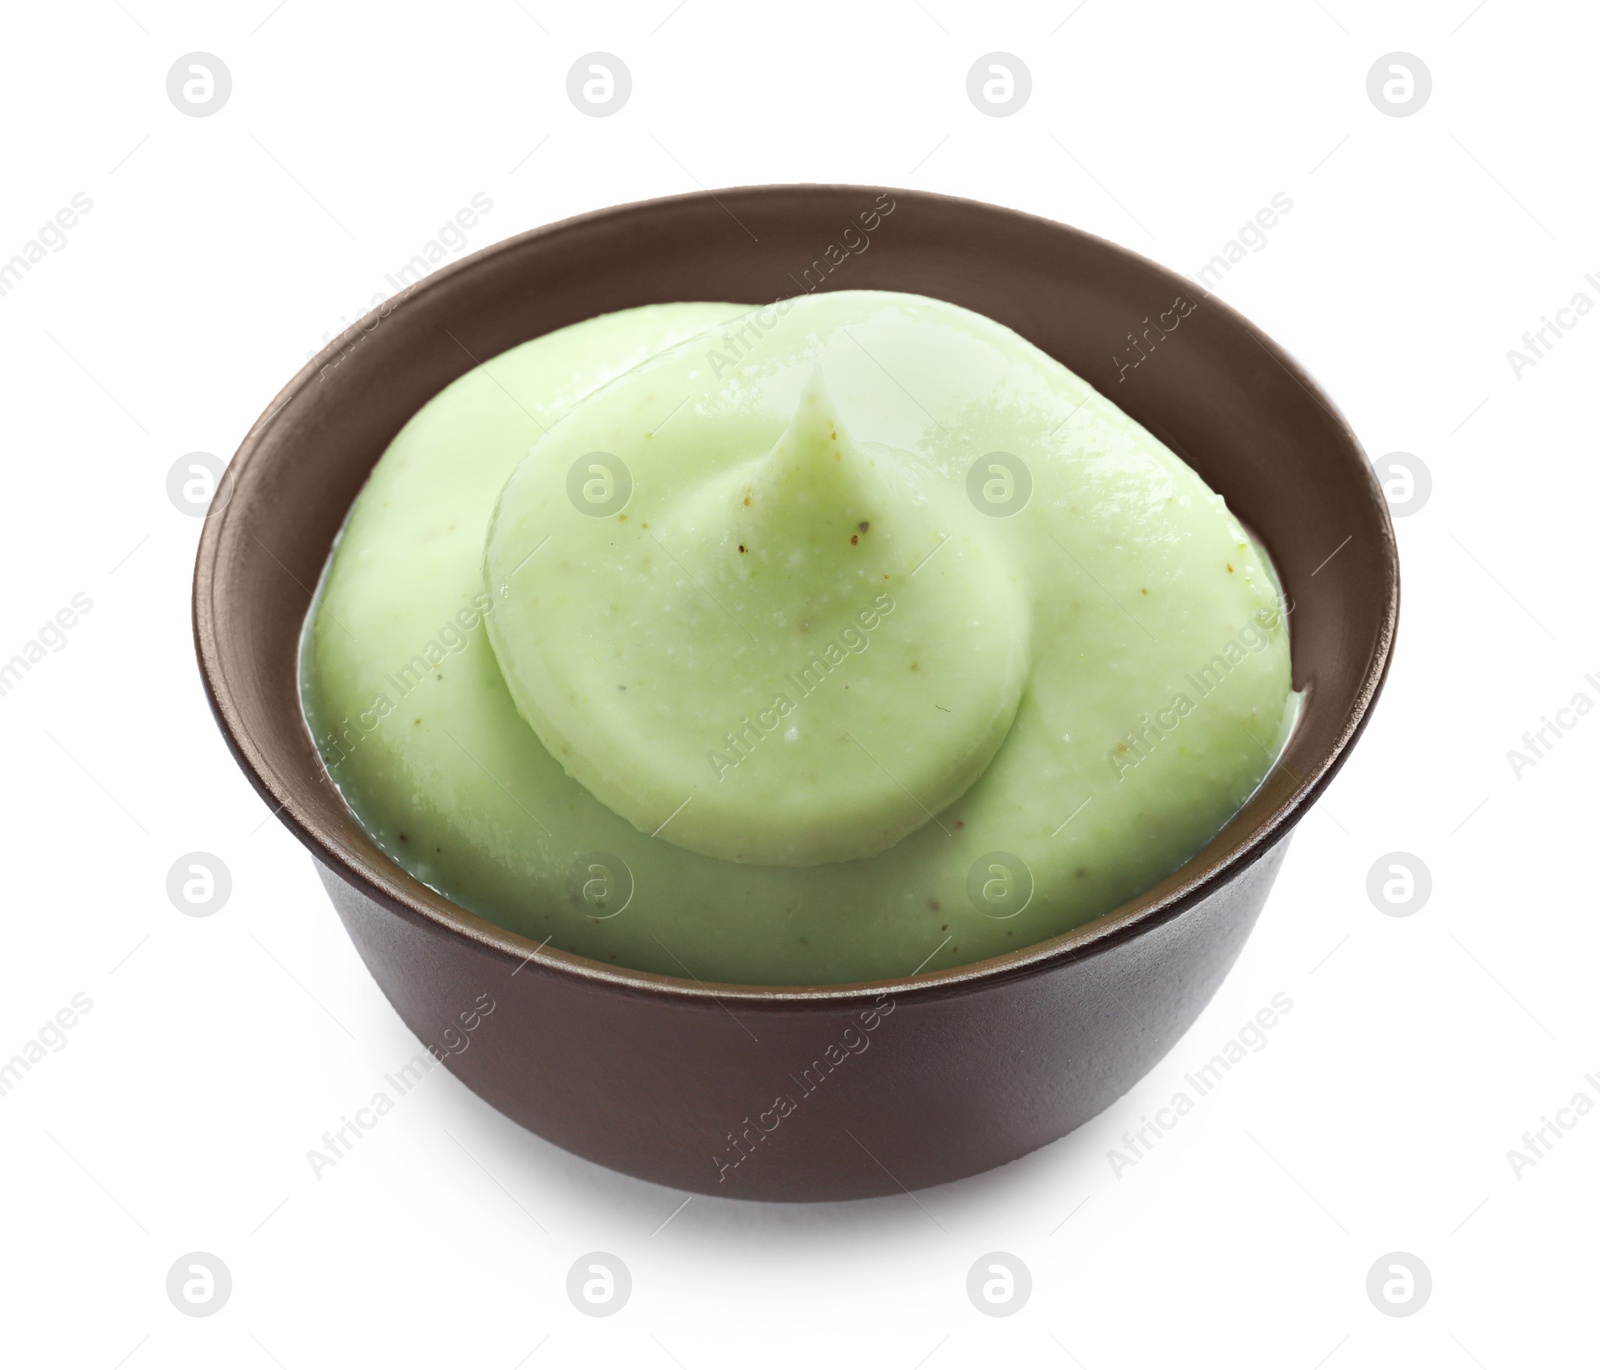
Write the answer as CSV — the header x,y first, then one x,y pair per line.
x,y
824,642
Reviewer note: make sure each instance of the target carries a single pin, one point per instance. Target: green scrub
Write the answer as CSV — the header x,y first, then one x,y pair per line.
x,y
813,644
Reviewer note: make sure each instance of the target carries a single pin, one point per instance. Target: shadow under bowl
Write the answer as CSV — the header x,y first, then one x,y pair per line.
x,y
681,1082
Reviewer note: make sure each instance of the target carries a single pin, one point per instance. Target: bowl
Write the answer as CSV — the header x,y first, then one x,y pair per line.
x,y
807,1092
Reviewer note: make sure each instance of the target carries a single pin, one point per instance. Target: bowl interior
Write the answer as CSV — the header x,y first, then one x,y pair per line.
x,y
1216,390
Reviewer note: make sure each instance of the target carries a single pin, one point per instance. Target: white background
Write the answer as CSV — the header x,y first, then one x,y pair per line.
x,y
221,251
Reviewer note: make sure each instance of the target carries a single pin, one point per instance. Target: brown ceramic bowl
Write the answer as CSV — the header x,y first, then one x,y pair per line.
x,y
969,1067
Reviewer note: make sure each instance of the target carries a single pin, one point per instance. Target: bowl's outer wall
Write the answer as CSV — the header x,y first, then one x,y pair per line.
x,y
807,1101
979,1065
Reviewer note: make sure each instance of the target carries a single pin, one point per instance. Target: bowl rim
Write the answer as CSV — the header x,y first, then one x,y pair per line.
x,y
402,894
